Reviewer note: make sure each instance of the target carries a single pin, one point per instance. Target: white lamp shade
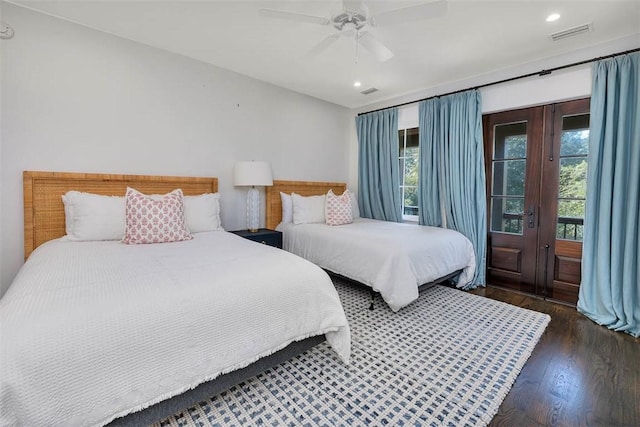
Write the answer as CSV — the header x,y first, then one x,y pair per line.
x,y
252,173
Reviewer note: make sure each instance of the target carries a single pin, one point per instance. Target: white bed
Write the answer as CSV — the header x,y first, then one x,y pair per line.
x,y
91,331
394,259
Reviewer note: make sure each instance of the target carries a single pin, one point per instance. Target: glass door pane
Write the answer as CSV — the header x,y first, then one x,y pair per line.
x,y
572,187
508,177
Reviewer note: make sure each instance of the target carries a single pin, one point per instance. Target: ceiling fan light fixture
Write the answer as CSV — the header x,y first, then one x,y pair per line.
x,y
349,30
355,20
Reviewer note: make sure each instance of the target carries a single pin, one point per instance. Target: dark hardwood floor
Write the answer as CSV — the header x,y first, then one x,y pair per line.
x,y
579,374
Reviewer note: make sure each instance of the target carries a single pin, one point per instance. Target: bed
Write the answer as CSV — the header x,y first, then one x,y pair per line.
x,y
96,332
393,259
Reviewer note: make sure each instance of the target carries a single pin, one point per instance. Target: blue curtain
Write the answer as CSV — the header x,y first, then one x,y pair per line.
x,y
610,288
379,171
429,206
452,175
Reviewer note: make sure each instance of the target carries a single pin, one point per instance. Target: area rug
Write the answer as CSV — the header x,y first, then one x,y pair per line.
x,y
449,358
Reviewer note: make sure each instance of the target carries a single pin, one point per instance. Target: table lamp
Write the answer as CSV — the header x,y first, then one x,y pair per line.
x,y
252,174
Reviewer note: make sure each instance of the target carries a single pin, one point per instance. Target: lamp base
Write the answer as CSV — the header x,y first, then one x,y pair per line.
x,y
253,230
253,210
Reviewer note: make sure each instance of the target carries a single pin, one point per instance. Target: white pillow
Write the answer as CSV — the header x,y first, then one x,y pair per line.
x,y
93,217
287,208
307,210
355,209
203,212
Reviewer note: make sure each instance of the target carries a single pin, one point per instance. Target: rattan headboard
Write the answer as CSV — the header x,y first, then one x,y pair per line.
x,y
303,188
44,211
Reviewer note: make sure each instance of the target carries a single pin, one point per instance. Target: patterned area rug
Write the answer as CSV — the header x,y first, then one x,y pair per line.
x,y
449,358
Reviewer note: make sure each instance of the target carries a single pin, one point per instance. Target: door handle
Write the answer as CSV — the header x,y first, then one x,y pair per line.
x,y
531,221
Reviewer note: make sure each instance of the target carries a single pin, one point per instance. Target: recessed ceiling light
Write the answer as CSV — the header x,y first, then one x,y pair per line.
x,y
553,17
357,84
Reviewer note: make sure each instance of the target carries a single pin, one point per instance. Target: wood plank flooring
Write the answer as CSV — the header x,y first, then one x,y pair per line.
x,y
579,374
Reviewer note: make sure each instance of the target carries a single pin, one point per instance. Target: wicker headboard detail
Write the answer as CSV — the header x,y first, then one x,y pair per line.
x,y
303,188
44,211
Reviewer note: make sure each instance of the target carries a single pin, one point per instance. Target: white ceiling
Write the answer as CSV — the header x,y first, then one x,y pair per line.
x,y
474,37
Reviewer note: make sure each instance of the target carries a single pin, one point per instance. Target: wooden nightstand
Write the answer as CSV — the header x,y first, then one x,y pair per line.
x,y
263,235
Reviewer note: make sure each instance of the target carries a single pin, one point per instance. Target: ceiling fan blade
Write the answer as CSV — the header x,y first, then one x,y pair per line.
x,y
380,51
293,16
434,9
352,5
324,44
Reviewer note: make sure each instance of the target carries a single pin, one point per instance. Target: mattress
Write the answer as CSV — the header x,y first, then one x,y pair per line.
x,y
95,330
392,258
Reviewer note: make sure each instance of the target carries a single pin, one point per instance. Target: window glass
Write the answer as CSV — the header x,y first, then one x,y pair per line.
x,y
510,141
508,179
572,187
409,155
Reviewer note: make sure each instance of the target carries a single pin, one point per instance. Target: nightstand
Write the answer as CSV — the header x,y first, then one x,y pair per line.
x,y
263,235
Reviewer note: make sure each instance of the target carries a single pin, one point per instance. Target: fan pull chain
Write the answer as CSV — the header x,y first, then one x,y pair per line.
x,y
357,37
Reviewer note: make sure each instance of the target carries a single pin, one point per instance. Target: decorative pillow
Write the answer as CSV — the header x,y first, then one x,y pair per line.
x,y
338,208
307,210
154,220
203,212
93,216
355,209
287,208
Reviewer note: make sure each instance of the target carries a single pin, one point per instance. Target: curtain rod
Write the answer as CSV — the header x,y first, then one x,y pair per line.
x,y
510,79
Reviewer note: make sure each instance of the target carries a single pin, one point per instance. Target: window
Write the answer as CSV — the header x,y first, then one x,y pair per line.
x,y
409,165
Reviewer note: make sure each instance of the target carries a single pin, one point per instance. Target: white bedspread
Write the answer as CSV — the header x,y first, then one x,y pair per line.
x,y
393,258
94,330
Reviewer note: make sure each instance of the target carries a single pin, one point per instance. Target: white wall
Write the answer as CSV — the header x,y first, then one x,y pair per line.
x,y
563,85
78,100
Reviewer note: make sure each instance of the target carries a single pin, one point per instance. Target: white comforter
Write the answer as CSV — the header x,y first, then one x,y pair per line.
x,y
94,330
393,258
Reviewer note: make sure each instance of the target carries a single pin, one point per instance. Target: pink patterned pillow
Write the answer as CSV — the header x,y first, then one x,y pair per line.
x,y
154,219
338,208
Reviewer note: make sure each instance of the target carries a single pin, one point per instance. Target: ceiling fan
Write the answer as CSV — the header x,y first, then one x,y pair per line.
x,y
355,19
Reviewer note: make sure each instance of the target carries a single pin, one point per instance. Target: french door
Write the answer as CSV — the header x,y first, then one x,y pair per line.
x,y
536,160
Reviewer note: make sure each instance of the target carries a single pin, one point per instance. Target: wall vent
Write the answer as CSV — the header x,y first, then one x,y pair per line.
x,y
570,32
368,91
